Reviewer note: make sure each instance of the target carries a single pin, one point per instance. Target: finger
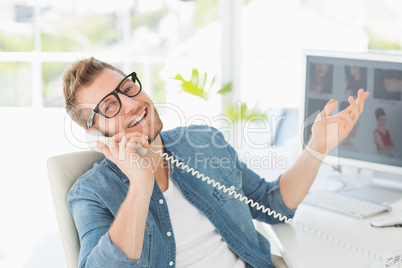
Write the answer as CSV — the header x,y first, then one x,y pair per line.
x,y
123,142
328,109
366,95
134,134
122,147
130,149
144,141
114,148
354,108
330,106
133,141
139,138
361,98
105,150
118,136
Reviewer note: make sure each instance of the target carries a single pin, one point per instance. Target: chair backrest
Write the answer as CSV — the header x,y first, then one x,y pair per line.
x,y
64,170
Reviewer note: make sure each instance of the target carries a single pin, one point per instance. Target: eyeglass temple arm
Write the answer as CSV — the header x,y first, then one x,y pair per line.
x,y
90,121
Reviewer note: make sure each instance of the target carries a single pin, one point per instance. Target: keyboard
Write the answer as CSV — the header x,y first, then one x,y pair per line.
x,y
344,204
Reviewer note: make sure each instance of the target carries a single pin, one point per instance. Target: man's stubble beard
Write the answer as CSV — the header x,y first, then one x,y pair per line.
x,y
156,125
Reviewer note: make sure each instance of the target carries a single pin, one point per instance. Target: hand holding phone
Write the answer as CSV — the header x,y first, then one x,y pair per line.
x,y
94,135
125,150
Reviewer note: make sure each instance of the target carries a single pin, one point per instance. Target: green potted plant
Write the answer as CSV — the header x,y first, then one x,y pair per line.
x,y
198,85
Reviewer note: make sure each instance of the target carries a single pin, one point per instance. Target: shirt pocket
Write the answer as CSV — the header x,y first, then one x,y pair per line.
x,y
146,256
233,182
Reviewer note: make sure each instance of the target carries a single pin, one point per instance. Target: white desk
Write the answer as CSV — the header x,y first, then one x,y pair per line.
x,y
300,249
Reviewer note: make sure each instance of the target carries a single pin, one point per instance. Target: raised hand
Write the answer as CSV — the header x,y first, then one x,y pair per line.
x,y
328,131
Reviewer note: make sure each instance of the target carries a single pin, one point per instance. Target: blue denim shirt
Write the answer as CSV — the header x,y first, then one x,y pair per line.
x,y
97,195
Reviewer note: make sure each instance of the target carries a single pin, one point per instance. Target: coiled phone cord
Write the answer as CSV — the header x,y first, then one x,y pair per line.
x,y
276,215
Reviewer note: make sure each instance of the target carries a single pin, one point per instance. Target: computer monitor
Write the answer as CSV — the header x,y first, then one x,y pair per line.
x,y
375,143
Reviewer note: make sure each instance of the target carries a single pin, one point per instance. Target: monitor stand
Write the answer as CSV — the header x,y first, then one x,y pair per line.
x,y
377,187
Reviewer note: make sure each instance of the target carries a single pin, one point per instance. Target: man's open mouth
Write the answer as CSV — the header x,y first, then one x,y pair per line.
x,y
138,119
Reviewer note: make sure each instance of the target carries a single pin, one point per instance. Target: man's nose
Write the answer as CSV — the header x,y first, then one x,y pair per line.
x,y
127,104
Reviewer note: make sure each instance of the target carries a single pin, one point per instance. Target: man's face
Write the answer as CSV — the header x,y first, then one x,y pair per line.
x,y
132,108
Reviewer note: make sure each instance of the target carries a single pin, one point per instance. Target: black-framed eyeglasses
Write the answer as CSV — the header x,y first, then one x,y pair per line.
x,y
110,105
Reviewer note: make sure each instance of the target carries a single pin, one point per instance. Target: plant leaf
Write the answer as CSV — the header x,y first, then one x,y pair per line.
x,y
226,88
204,81
179,77
213,81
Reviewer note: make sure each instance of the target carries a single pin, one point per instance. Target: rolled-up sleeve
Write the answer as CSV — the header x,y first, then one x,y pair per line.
x,y
93,221
266,194
107,254
274,198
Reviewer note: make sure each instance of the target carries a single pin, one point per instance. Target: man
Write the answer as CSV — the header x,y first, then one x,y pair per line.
x,y
143,211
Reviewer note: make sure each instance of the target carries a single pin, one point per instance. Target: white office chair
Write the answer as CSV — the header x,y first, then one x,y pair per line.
x,y
64,170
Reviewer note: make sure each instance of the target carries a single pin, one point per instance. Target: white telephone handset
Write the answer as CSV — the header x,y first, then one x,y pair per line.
x,y
94,135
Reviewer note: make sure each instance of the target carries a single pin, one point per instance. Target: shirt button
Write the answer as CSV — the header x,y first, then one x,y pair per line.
x,y
161,201
169,234
232,188
170,263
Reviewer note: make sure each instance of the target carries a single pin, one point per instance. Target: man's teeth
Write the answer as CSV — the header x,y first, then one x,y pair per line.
x,y
139,118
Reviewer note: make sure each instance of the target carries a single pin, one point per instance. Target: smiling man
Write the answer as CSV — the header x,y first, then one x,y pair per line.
x,y
142,211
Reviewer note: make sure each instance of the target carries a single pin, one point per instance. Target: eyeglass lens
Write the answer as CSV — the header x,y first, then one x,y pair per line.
x,y
110,106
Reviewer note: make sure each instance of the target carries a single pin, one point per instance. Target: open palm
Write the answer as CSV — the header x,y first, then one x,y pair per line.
x,y
329,130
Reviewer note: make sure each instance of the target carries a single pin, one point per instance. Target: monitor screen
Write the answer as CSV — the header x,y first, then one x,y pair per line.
x,y
377,136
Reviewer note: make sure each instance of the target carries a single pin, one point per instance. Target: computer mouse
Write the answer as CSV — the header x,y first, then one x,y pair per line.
x,y
388,221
